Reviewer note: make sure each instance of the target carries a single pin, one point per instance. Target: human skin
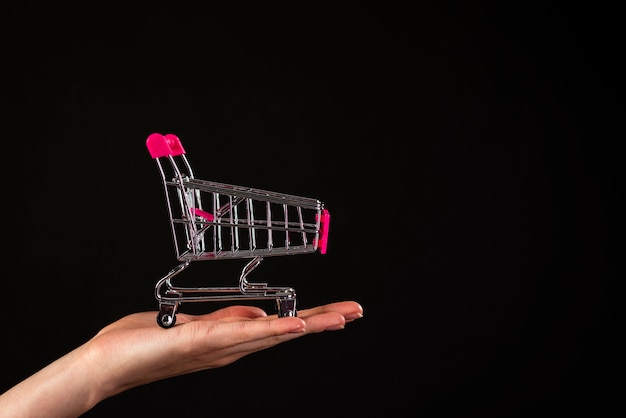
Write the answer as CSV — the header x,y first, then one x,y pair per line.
x,y
134,351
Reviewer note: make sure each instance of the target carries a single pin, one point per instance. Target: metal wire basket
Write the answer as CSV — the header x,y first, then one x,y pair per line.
x,y
216,221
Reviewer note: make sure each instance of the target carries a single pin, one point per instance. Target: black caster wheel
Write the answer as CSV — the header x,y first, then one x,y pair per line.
x,y
166,321
166,318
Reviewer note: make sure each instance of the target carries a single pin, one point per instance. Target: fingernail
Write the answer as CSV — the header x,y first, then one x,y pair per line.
x,y
298,329
335,328
353,316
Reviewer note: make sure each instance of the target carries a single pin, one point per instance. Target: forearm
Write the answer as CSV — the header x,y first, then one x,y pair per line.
x,y
64,388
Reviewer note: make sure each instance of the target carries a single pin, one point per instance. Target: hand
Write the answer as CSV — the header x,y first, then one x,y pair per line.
x,y
135,350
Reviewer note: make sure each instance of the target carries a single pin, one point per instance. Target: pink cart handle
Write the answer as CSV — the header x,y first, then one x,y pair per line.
x,y
164,145
324,226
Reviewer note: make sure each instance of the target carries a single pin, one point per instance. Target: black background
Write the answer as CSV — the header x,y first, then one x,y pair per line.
x,y
466,154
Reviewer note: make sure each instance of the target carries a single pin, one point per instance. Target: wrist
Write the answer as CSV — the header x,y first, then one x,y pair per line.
x,y
61,389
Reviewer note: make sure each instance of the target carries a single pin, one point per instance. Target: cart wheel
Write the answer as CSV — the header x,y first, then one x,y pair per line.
x,y
286,307
166,318
166,321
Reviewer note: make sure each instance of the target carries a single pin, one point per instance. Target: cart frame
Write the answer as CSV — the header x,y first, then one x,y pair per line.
x,y
237,223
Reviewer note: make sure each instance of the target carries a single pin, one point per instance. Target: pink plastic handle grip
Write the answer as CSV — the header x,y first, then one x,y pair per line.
x,y
164,145
324,226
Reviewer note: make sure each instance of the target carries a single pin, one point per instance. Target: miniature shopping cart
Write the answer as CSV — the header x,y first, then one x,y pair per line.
x,y
216,221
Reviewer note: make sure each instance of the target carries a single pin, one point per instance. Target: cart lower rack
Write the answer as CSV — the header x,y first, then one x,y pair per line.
x,y
217,221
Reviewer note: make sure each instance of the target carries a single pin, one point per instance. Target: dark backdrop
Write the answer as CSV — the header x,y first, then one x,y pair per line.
x,y
464,152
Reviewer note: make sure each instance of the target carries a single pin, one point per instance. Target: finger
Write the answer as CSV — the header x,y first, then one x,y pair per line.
x,y
232,331
346,308
350,310
328,321
251,312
